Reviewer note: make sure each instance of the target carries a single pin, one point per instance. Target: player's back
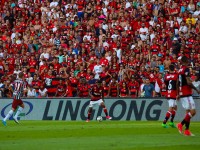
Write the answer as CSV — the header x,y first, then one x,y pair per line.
x,y
171,85
184,89
18,87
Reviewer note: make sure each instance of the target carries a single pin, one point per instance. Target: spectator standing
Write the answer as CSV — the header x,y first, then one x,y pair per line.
x,y
176,46
149,89
17,71
97,69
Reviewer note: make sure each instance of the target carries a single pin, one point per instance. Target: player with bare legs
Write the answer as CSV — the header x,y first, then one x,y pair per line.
x,y
185,94
171,81
97,97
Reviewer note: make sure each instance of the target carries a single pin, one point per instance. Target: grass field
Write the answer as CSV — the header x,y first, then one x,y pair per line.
x,y
106,135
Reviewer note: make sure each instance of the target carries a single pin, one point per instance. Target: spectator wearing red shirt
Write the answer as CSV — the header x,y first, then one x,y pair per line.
x,y
83,88
124,90
32,65
54,26
133,86
60,89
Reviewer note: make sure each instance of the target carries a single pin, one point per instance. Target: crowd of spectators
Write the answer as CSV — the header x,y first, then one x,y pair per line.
x,y
69,44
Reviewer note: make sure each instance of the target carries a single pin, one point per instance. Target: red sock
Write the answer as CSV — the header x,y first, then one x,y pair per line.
x,y
187,117
89,113
173,115
168,114
105,111
173,112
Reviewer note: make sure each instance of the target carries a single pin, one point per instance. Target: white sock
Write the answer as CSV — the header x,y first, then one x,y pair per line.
x,y
18,112
8,115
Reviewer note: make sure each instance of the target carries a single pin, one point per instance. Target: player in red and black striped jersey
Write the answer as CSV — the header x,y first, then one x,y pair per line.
x,y
171,81
185,94
18,88
97,97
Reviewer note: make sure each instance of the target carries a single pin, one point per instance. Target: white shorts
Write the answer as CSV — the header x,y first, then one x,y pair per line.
x,y
92,103
187,102
172,102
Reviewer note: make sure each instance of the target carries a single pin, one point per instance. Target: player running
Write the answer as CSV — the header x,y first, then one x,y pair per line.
x,y
18,88
97,97
171,81
185,94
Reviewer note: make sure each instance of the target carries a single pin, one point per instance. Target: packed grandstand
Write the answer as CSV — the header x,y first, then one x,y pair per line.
x,y
65,46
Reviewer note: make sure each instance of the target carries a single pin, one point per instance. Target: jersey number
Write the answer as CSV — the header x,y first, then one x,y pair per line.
x,y
180,79
17,86
170,85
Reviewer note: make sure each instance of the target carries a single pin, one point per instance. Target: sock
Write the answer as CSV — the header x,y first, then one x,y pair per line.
x,y
186,120
167,117
89,113
188,116
173,115
8,115
187,125
18,112
183,122
105,111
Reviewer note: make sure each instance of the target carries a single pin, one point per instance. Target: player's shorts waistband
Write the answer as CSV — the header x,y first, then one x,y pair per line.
x,y
171,98
185,96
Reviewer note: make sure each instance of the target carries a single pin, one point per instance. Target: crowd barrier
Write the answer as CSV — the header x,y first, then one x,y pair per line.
x,y
75,109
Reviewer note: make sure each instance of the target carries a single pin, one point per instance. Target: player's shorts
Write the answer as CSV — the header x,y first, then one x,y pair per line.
x,y
16,102
187,102
92,103
172,102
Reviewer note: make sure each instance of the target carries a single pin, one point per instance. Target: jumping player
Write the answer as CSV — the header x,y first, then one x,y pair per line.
x,y
19,87
185,94
97,97
171,81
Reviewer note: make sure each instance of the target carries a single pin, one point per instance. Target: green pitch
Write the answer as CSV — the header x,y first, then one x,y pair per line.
x,y
106,135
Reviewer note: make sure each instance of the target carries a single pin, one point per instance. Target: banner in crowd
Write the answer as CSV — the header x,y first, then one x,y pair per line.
x,y
76,109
